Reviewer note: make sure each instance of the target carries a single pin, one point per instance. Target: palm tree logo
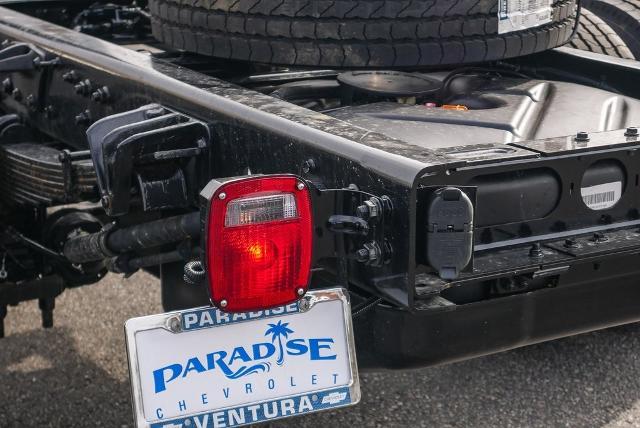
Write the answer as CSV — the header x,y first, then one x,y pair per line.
x,y
278,331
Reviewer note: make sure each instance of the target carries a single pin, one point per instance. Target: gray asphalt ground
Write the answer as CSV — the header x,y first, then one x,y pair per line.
x,y
76,375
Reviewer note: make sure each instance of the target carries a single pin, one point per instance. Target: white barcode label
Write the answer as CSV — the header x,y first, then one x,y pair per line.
x,y
518,15
602,196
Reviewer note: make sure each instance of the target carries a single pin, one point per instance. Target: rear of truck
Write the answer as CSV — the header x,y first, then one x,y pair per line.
x,y
405,232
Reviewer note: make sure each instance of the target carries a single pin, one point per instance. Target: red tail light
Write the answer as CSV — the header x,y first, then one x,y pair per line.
x,y
258,248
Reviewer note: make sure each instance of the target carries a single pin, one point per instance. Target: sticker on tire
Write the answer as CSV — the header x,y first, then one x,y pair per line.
x,y
518,15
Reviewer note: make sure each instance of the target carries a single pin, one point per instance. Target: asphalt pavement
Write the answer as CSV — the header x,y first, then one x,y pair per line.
x,y
75,374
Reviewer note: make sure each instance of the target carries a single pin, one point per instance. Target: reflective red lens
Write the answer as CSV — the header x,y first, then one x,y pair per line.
x,y
259,243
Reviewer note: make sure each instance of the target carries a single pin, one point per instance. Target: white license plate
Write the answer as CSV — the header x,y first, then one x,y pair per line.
x,y
206,368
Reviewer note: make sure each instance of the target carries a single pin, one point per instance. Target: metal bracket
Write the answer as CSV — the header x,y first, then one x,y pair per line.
x,y
23,57
135,144
355,223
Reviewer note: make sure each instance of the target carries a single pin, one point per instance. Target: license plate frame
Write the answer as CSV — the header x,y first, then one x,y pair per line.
x,y
196,320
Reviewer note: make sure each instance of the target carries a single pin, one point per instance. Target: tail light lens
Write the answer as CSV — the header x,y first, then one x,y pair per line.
x,y
258,242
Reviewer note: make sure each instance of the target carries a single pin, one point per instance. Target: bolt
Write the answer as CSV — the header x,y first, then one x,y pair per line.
x,y
582,136
300,291
31,101
7,85
175,325
536,251
83,118
370,254
304,304
362,255
222,196
64,156
223,303
70,76
370,209
300,186
363,212
570,243
16,94
308,166
83,88
105,201
631,131
101,95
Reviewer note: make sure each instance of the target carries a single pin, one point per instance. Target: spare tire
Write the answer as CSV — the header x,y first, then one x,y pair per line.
x,y
621,15
362,33
594,35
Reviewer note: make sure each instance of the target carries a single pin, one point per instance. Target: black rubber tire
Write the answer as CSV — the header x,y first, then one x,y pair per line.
x,y
352,33
595,35
621,15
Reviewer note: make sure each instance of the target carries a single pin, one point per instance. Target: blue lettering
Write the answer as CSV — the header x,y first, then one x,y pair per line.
x,y
239,354
315,345
269,350
182,405
335,378
159,378
211,361
225,391
204,399
193,364
291,381
271,384
314,379
159,413
247,388
296,347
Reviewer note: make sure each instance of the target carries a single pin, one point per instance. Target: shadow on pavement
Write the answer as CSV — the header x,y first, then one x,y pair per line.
x,y
45,382
588,380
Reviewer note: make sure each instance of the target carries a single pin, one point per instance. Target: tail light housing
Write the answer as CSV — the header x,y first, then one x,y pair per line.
x,y
258,241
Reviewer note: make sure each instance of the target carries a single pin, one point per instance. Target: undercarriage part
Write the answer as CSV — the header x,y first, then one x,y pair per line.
x,y
12,130
358,34
65,225
112,241
45,290
33,174
113,21
390,83
154,146
23,57
128,263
